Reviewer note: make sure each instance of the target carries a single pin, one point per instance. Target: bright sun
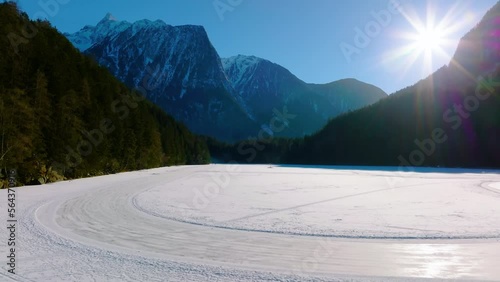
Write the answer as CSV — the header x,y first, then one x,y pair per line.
x,y
426,43
428,40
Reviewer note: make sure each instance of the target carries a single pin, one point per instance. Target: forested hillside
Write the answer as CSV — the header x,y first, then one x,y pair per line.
x,y
418,126
63,116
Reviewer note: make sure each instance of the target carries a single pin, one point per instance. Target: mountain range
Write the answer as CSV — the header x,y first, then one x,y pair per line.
x,y
229,99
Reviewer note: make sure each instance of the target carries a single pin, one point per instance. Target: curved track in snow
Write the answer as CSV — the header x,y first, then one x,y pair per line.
x,y
90,230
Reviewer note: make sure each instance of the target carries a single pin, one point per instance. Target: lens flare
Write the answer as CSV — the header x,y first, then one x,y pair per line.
x,y
427,40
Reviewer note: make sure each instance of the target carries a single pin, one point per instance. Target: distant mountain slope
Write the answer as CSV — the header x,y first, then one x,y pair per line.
x,y
90,35
265,86
62,115
451,119
229,99
184,67
349,94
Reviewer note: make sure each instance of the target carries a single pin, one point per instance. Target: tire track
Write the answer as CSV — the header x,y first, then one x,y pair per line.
x,y
90,230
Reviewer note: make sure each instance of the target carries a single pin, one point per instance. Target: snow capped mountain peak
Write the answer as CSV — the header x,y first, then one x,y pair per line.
x,y
241,62
182,64
109,24
90,35
159,23
249,74
108,17
183,53
240,68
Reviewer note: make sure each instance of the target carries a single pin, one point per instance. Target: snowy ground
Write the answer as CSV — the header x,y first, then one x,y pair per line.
x,y
255,223
329,202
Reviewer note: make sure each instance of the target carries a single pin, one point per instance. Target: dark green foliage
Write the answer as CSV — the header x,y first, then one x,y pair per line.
x,y
63,115
253,151
397,131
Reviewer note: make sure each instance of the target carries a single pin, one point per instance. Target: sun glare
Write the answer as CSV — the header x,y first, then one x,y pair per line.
x,y
427,41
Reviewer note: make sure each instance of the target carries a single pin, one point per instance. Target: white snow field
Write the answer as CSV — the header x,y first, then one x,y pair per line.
x,y
259,223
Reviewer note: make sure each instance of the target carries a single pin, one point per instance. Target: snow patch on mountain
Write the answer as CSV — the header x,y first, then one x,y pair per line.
x,y
183,74
90,35
240,67
177,65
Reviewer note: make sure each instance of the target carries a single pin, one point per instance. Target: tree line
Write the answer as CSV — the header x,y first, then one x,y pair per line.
x,y
64,116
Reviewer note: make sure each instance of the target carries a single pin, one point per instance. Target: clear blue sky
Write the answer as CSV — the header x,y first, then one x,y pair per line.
x,y
303,36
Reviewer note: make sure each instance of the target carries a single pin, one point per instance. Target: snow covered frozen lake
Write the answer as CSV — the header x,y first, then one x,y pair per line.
x,y
333,202
260,223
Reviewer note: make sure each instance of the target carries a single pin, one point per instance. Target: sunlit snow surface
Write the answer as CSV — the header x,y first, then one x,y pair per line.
x,y
335,202
259,223
495,185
